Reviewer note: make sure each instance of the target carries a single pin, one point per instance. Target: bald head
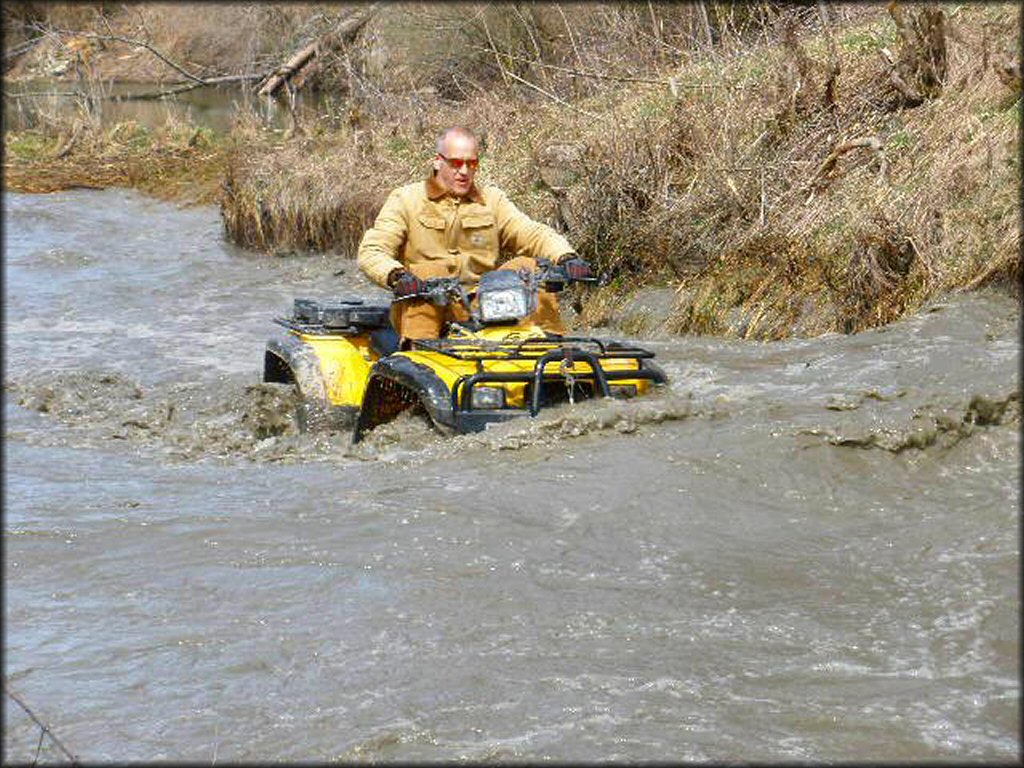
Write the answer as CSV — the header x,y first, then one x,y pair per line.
x,y
456,160
453,133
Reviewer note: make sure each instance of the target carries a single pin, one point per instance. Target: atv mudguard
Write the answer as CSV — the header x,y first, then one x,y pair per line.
x,y
397,383
290,360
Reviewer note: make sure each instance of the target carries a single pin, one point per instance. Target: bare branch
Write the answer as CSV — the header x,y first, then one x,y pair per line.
x,y
494,49
572,37
550,95
670,82
25,47
194,80
163,94
151,96
142,43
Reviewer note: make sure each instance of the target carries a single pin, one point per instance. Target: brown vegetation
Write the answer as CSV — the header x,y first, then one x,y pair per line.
x,y
790,169
204,38
174,162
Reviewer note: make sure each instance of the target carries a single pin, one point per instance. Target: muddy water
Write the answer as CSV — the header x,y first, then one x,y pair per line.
x,y
805,550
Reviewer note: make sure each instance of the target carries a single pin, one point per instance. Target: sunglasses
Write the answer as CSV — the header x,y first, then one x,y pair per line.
x,y
459,163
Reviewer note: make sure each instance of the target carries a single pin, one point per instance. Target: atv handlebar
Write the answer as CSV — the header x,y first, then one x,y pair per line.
x,y
440,291
446,290
554,277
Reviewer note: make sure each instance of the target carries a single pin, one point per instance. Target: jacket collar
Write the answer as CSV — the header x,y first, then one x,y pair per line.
x,y
436,190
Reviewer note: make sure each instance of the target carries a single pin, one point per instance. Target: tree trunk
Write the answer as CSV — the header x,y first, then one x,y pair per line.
x,y
920,70
344,32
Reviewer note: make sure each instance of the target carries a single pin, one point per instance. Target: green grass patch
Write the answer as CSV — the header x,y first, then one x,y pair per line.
x,y
133,134
901,139
869,40
30,146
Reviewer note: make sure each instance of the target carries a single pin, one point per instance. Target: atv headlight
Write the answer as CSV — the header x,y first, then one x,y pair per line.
x,y
503,296
508,304
488,398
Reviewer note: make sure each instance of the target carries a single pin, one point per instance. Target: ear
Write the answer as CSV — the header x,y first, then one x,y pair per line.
x,y
436,163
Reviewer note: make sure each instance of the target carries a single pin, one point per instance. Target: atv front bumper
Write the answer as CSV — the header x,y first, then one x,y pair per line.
x,y
444,376
470,419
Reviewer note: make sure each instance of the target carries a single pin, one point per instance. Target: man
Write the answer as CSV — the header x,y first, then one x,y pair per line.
x,y
446,226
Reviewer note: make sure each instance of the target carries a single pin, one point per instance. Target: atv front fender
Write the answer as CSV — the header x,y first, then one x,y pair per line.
x,y
397,383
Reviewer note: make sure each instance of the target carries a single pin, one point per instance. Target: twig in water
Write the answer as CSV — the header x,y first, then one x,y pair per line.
x,y
39,746
43,728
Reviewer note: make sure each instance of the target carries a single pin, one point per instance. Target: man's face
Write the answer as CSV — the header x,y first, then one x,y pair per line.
x,y
456,180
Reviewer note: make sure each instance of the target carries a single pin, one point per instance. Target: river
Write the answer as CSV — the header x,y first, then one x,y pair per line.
x,y
805,550
31,104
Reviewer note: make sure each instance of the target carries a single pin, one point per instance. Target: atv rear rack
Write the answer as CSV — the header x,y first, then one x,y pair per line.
x,y
344,316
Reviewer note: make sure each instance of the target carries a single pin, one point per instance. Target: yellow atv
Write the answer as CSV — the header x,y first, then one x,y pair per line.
x,y
343,357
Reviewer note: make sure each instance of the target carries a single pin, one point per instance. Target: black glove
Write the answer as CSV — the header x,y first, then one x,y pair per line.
x,y
407,284
576,268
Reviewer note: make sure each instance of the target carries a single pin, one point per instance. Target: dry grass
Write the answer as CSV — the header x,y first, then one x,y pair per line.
x,y
781,192
176,161
311,192
740,193
320,190
279,201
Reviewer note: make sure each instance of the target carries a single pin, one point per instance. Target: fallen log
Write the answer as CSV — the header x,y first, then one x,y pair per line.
x,y
289,68
343,32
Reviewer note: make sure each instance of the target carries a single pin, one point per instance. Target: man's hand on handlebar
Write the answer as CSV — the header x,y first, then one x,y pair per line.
x,y
405,284
576,268
437,290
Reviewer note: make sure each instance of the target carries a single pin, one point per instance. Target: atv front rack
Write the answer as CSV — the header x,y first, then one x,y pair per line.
x,y
542,352
529,348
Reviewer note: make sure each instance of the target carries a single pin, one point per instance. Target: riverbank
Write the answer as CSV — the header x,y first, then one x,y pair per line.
x,y
823,177
182,162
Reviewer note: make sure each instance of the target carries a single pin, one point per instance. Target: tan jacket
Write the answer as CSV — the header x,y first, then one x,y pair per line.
x,y
422,222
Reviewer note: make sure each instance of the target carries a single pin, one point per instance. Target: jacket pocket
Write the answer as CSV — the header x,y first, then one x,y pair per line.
x,y
479,240
431,222
477,220
428,240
